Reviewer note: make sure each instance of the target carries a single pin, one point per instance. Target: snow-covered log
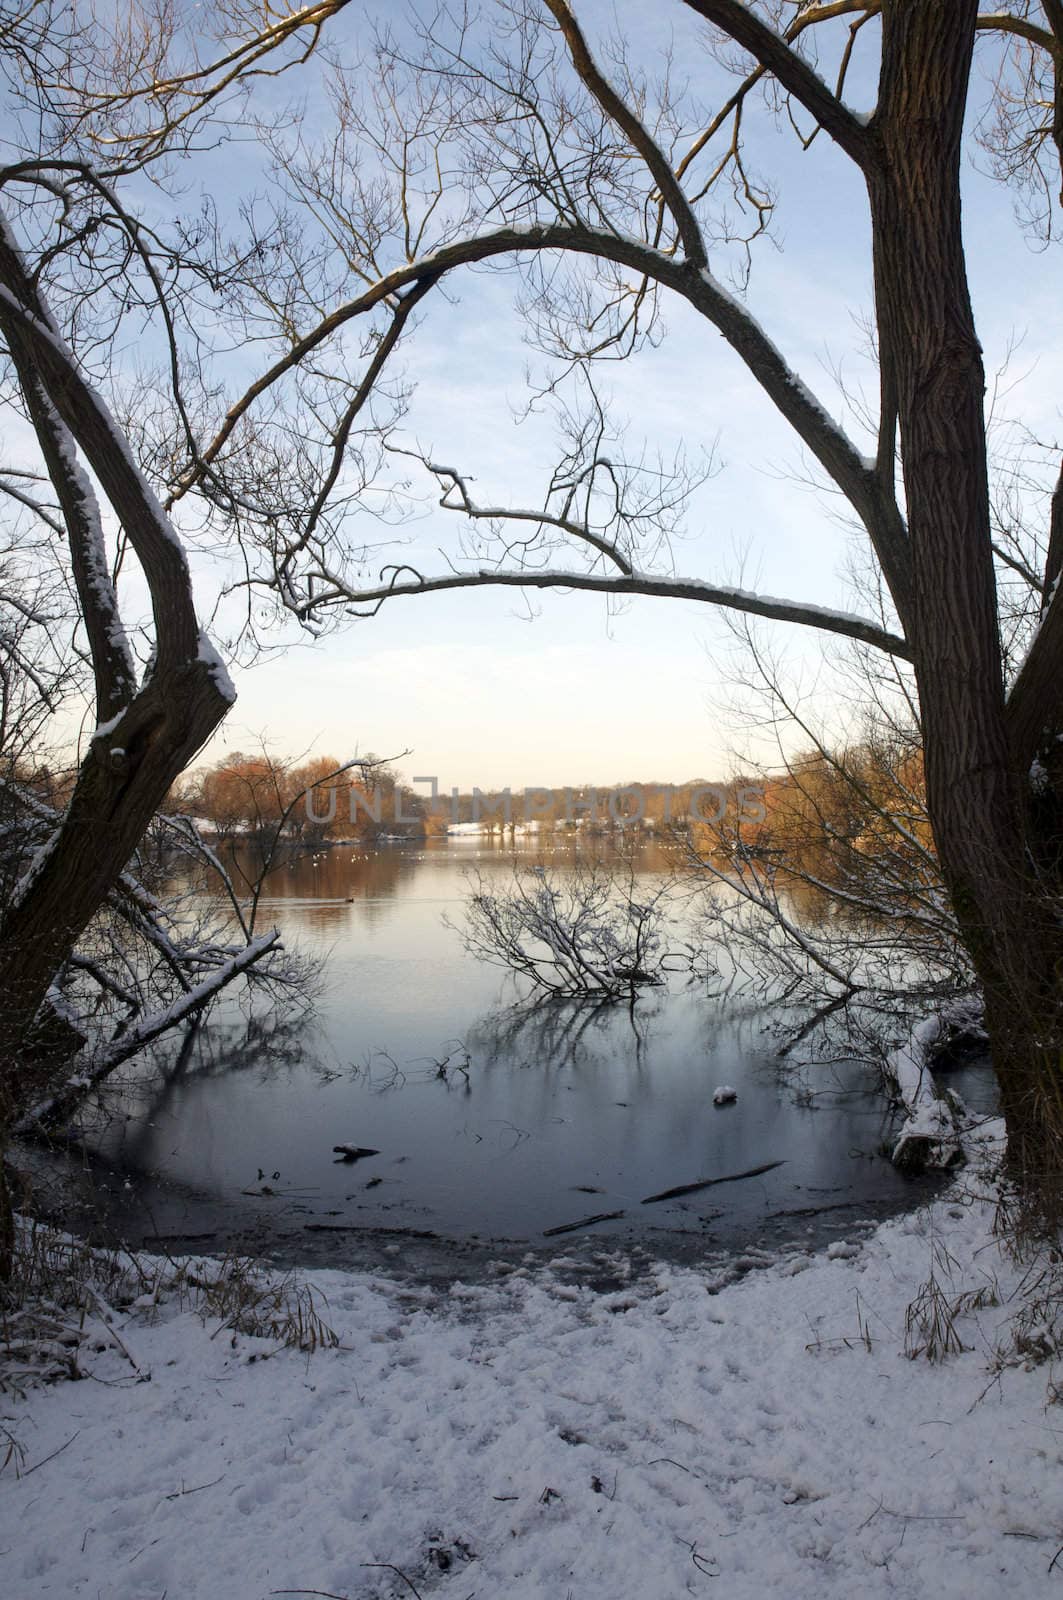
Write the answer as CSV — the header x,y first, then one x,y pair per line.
x,y
930,1138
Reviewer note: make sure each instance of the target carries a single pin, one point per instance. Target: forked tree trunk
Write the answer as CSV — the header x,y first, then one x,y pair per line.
x,y
977,794
148,735
123,781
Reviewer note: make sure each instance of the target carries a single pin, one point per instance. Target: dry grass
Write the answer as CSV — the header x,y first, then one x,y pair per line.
x,y
46,1311
1033,1335
848,1341
250,1300
931,1323
66,1298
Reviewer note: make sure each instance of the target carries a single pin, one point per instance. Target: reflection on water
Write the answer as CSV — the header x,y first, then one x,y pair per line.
x,y
489,1117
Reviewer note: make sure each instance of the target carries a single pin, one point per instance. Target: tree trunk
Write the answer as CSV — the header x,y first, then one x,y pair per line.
x,y
147,736
123,781
977,797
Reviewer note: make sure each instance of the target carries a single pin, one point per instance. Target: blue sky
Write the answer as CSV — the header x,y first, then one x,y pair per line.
x,y
476,691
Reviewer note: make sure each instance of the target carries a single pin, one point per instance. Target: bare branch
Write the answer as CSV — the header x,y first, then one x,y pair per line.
x,y
614,106
859,480
56,1107
837,622
773,53
1023,28
454,482
94,97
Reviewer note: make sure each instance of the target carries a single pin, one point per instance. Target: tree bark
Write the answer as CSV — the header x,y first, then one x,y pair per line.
x,y
148,734
123,781
977,790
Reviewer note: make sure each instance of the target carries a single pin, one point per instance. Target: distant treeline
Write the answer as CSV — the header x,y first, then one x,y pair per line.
x,y
826,812
318,803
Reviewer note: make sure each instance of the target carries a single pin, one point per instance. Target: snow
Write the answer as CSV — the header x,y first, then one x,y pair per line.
x,y
103,730
48,333
908,1065
217,669
929,1135
790,377
531,1438
33,871
90,536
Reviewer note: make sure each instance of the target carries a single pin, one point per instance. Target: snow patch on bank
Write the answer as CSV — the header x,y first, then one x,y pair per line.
x,y
526,1438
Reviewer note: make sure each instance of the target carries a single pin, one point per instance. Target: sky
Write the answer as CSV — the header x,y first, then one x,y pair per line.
x,y
480,688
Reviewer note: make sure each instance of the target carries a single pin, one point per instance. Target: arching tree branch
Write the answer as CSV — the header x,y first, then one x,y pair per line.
x,y
843,623
866,489
615,107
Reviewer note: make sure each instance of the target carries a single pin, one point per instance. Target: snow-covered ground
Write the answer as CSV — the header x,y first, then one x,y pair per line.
x,y
524,1438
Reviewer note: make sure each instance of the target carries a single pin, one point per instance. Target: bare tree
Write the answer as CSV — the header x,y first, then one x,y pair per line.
x,y
92,967
832,904
591,933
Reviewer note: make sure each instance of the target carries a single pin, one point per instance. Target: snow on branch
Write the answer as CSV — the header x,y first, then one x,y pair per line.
x,y
24,315
98,1064
845,623
112,658
929,1137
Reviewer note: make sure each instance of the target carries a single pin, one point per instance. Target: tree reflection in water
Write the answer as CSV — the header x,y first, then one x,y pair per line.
x,y
554,1034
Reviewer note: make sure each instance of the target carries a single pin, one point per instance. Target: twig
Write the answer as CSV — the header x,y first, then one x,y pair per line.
x,y
704,1564
327,1593
177,1493
385,1566
911,1516
657,1460
53,1455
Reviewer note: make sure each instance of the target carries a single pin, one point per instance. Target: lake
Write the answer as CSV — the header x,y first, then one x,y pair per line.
x,y
492,1122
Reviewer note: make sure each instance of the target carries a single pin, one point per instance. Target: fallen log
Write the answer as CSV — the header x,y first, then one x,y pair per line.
x,y
584,1222
709,1183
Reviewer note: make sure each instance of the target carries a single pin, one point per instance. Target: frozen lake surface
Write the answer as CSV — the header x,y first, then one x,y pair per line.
x,y
541,1115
